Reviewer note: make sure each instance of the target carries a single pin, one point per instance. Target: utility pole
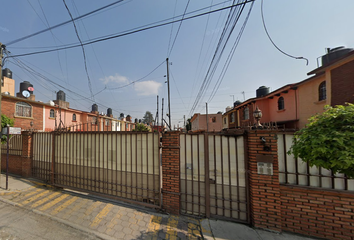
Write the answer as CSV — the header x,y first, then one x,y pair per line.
x,y
157,112
184,121
1,56
169,99
162,114
207,122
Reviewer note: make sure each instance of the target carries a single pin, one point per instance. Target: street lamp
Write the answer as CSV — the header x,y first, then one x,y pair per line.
x,y
257,114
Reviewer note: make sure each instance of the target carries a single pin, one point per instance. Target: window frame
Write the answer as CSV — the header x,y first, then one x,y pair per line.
x,y
51,112
322,91
281,103
74,117
24,106
246,113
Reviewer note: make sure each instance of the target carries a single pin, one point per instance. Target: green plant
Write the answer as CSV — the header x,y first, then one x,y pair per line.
x,y
4,122
328,140
140,127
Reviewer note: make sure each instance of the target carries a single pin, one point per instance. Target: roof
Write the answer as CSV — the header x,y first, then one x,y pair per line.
x,y
322,68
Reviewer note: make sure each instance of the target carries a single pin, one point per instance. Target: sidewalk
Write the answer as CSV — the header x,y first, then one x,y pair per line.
x,y
108,219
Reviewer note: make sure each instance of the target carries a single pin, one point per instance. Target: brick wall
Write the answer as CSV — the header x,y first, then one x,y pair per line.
x,y
264,190
343,84
20,165
15,164
171,172
317,212
8,107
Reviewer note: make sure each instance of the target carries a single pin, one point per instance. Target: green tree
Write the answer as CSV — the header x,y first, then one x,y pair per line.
x,y
148,118
188,125
4,122
139,127
328,140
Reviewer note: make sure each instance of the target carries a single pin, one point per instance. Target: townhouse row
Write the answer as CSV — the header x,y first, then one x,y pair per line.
x,y
30,114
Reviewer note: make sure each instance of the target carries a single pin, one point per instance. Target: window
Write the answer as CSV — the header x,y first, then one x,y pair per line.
x,y
246,113
51,113
23,109
224,120
94,120
232,119
74,117
281,103
322,93
107,122
213,119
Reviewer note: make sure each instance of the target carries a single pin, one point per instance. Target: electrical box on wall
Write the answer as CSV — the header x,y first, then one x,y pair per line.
x,y
264,164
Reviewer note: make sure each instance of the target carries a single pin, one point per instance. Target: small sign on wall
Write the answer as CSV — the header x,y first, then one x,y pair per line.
x,y
264,164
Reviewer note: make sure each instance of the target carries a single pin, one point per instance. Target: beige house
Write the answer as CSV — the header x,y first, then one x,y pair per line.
x,y
203,122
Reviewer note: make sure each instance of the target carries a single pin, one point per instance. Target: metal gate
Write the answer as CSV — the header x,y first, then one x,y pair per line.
x,y
125,165
214,176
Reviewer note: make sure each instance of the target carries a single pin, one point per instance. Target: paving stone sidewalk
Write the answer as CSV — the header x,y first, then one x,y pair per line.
x,y
107,219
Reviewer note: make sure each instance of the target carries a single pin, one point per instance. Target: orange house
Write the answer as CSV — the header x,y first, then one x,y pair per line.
x,y
292,105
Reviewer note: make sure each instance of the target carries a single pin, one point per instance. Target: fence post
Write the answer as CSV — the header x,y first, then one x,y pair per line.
x,y
27,148
265,202
171,172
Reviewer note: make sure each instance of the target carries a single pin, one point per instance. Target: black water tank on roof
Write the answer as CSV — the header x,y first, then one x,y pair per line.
x,y
7,73
136,120
262,91
25,85
95,108
334,53
61,95
109,112
121,115
237,103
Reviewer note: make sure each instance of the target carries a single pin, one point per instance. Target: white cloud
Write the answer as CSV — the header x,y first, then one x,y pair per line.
x,y
147,88
116,79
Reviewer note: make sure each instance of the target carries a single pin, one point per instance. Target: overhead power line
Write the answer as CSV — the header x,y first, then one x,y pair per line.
x,y
64,23
271,40
132,32
229,26
83,51
179,27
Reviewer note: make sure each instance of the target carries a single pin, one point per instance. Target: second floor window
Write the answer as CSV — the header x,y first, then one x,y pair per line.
x,y
51,113
232,119
322,93
74,117
246,113
23,109
281,103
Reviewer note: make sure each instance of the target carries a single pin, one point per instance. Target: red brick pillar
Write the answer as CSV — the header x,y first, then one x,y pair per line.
x,y
264,188
27,154
171,172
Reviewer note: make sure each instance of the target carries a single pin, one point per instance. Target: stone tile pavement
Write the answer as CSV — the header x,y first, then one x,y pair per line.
x,y
108,219
105,218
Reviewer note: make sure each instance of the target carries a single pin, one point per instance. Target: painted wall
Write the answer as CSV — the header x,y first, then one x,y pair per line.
x,y
289,111
9,86
308,99
214,123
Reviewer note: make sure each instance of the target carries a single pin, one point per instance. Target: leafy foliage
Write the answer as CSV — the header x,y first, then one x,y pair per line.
x,y
188,125
4,122
148,118
140,127
328,140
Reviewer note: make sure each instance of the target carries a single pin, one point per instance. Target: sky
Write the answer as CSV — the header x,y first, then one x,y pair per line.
x,y
127,73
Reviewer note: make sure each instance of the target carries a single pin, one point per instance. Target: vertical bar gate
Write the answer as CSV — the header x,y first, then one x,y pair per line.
x,y
124,165
214,176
